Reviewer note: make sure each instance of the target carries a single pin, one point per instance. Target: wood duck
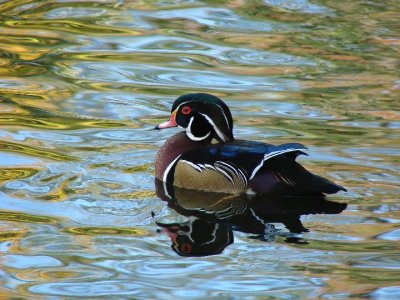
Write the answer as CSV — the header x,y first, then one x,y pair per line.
x,y
207,157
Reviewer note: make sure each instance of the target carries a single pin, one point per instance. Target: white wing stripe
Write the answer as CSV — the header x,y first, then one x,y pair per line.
x,y
271,155
194,166
229,166
230,178
236,172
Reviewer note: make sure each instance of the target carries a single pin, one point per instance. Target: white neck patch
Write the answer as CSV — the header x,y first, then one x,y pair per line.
x,y
190,134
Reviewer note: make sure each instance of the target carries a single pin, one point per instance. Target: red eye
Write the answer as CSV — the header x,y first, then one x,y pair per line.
x,y
186,110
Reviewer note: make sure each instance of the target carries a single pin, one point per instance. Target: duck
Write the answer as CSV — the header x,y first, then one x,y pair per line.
x,y
205,155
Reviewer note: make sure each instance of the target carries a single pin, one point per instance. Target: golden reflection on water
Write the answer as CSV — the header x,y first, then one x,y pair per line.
x,y
21,217
14,173
105,231
83,83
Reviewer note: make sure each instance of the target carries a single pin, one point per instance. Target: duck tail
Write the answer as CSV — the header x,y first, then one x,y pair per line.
x,y
301,180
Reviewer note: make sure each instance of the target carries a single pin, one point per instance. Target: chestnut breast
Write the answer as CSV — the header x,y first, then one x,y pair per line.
x,y
172,148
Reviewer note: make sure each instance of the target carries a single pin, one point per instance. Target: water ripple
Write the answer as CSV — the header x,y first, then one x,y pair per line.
x,y
162,46
24,262
162,269
303,6
266,58
165,77
75,12
386,293
87,289
216,18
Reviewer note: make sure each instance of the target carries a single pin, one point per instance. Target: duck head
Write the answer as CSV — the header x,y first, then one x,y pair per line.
x,y
203,116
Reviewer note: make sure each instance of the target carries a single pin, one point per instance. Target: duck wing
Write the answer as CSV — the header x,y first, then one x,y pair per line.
x,y
228,167
273,169
286,176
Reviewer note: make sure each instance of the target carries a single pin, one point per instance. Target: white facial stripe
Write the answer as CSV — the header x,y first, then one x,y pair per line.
x,y
219,133
190,122
190,134
219,107
226,119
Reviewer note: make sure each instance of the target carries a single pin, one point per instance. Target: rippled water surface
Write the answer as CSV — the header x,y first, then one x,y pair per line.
x,y
82,84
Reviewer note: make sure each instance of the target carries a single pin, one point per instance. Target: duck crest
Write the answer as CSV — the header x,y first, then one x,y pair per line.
x,y
202,116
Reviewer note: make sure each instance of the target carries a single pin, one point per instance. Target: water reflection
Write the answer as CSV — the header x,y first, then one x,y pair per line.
x,y
212,217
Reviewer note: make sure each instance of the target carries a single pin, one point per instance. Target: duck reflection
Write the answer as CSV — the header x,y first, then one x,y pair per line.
x,y
212,217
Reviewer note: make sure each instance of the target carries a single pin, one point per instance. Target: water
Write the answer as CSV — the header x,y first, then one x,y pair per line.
x,y
84,82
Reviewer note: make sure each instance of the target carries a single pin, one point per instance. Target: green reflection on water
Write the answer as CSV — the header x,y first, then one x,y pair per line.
x,y
34,151
25,218
16,173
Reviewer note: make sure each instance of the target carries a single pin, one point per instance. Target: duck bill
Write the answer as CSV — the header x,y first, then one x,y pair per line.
x,y
170,123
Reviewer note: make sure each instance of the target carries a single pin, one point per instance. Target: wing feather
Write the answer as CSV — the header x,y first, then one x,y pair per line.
x,y
272,154
219,176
